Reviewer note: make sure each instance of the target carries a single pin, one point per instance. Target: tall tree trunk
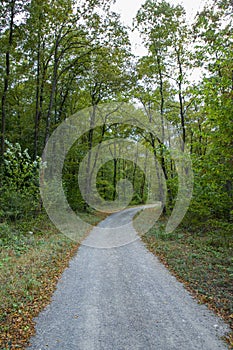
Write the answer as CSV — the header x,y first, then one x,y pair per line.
x,y
161,191
88,168
37,114
39,106
114,167
182,113
53,91
7,75
161,94
114,178
143,183
161,90
135,169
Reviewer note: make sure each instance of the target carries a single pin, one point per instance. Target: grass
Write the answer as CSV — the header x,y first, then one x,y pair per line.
x,y
203,261
32,258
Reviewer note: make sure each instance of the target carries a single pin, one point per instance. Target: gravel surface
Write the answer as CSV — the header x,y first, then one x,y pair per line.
x,y
123,298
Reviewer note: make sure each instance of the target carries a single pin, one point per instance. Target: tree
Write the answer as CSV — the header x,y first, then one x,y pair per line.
x,y
166,37
9,9
214,44
105,78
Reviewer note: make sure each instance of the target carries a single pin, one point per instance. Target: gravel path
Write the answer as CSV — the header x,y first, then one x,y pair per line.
x,y
123,299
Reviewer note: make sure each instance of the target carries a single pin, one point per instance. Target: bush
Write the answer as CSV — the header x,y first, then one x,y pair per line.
x,y
19,193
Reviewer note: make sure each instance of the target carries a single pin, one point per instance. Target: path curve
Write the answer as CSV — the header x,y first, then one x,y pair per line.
x,y
124,299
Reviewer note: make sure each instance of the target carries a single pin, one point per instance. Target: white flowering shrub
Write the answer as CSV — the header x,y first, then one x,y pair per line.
x,y
19,170
19,193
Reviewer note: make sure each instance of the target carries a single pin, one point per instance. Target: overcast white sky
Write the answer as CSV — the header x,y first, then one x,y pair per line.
x,y
128,10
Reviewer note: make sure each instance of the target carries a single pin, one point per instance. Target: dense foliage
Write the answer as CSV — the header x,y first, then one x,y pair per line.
x,y
60,57
19,184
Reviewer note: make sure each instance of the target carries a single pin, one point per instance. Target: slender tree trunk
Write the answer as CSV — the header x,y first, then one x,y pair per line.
x,y
142,189
88,168
64,97
114,178
135,169
37,114
114,169
161,193
97,153
161,89
182,113
191,142
53,91
7,76
200,137
161,94
39,106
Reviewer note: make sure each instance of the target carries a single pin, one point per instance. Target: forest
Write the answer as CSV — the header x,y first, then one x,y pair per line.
x,y
59,58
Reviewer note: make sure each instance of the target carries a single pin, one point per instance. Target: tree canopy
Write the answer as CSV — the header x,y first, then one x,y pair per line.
x,y
59,57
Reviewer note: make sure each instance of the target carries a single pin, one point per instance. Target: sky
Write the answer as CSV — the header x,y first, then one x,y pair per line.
x,y
128,10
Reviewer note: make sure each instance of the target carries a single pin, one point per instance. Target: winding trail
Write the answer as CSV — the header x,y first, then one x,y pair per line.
x,y
123,298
